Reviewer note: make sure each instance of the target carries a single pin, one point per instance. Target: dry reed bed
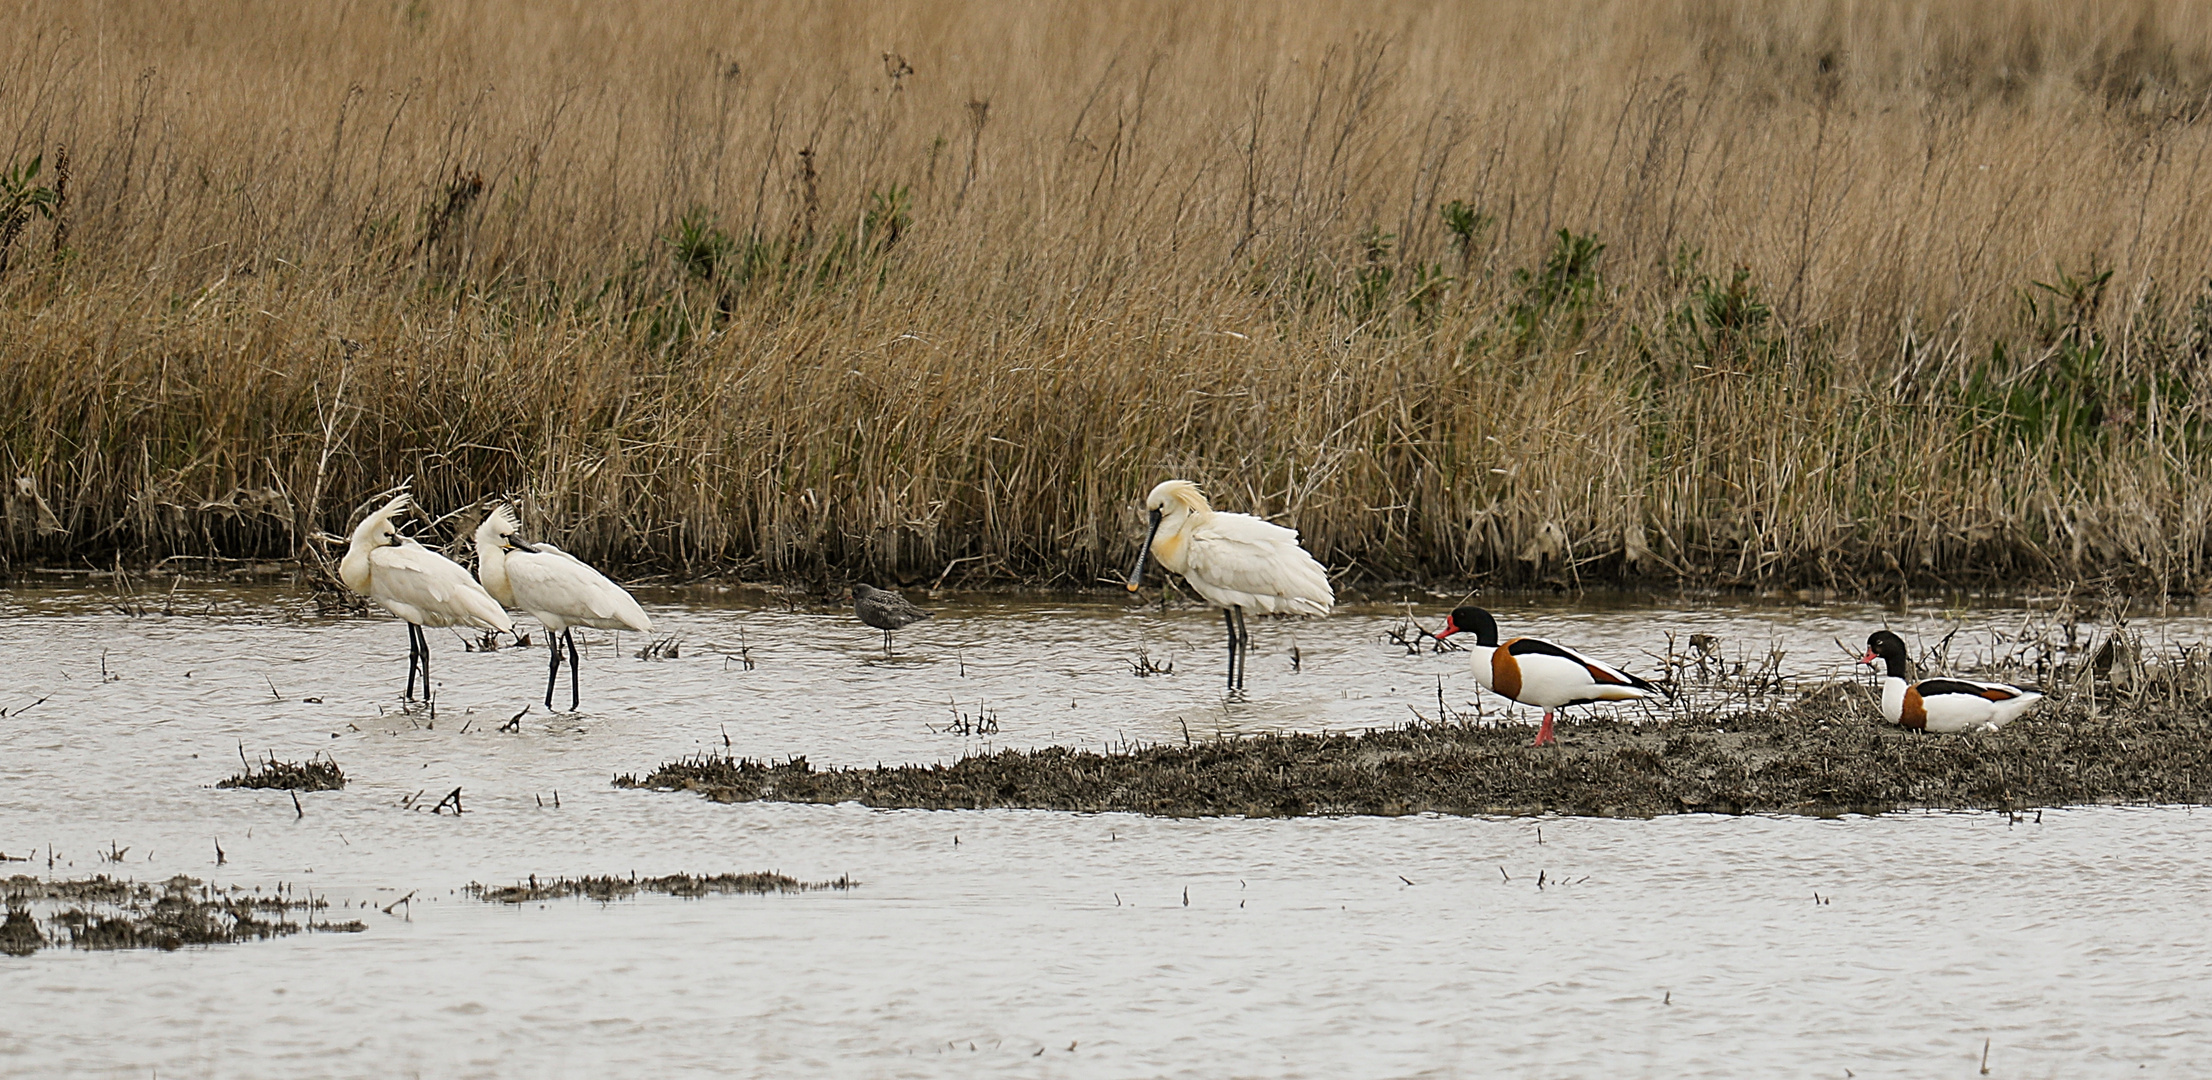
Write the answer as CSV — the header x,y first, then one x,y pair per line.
x,y
829,289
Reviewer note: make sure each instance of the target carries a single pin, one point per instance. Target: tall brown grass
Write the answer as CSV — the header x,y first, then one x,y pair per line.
x,y
1886,289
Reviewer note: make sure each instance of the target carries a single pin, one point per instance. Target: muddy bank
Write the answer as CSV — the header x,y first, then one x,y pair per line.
x,y
104,913
1826,754
604,889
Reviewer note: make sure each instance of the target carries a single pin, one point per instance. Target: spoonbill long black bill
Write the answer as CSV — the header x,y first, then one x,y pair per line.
x,y
1236,561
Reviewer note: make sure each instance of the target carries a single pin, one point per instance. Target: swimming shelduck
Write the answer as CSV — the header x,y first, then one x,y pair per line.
x,y
1533,671
1941,705
1235,561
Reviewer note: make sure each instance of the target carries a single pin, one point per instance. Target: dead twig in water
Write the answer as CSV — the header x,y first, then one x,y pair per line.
x,y
27,708
1409,634
1145,667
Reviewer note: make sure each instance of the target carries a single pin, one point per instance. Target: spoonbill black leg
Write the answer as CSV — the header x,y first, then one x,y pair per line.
x,y
1244,647
573,693
426,692
553,673
1228,620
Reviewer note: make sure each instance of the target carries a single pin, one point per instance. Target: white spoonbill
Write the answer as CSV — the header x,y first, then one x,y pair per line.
x,y
416,584
1941,705
555,587
1533,671
1235,561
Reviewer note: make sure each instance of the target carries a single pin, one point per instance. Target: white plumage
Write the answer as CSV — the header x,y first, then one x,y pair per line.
x,y
554,587
416,584
1236,561
1992,706
1566,678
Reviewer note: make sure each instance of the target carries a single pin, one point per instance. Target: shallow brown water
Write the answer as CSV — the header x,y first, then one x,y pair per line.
x,y
1661,948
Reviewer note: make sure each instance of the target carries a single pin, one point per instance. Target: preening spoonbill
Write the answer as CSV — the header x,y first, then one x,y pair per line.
x,y
1533,671
885,610
416,584
555,587
1235,561
1941,705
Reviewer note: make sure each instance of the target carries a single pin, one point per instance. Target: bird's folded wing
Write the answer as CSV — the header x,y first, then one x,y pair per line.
x,y
1990,691
1261,559
1600,671
418,577
567,584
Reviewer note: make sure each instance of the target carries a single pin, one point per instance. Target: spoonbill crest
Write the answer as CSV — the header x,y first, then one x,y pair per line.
x,y
1235,561
1533,671
416,584
555,587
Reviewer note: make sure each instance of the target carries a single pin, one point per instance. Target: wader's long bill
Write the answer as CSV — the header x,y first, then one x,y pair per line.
x,y
1144,553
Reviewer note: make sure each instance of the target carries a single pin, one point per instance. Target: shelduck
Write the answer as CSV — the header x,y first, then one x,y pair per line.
x,y
1941,705
1235,561
1536,672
